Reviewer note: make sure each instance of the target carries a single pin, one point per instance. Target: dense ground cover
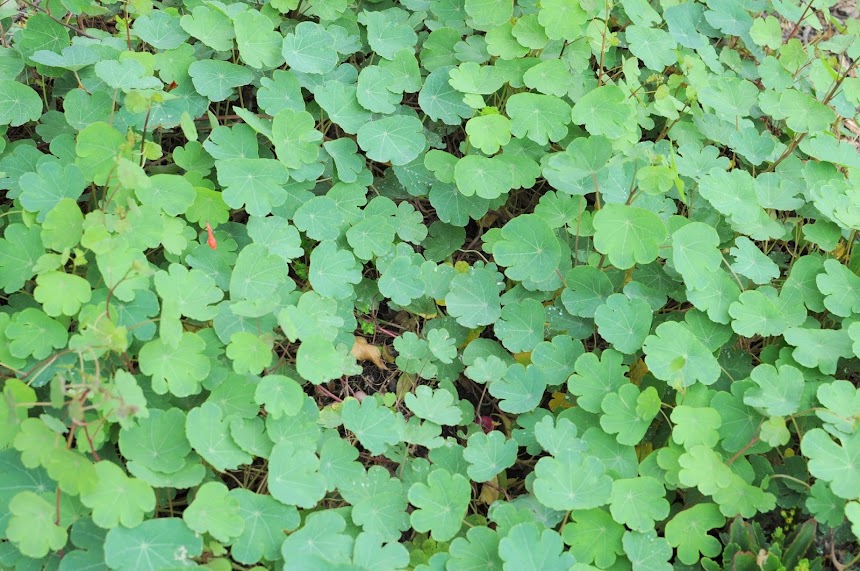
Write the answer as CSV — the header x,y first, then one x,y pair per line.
x,y
430,284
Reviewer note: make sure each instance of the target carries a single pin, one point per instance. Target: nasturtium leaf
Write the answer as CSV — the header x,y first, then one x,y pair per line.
x,y
628,235
370,423
778,390
153,545
528,248
259,45
333,271
32,527
214,511
489,13
250,353
688,532
596,377
752,262
216,80
178,369
638,502
836,464
440,504
562,19
766,311
528,545
673,354
401,281
489,132
294,477
520,389
541,118
604,111
33,333
255,183
624,322
695,254
296,140
209,435
656,48
841,289
819,348
265,520
477,550
627,413
521,325
397,140
19,103
473,298
155,442
482,176
310,49
61,293
573,481
489,454
442,102
53,182
118,499
594,537
647,551
388,31
436,406
193,291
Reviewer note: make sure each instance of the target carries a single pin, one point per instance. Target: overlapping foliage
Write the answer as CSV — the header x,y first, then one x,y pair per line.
x,y
606,248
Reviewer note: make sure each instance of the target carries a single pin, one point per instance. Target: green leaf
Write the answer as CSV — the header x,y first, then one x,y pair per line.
x,y
310,49
211,26
296,141
179,369
596,377
473,298
528,546
688,532
489,132
628,413
521,325
489,13
520,389
638,503
594,537
647,551
675,355
155,443
628,235
378,503
294,477
397,140
256,184
656,48
216,79
835,464
482,176
265,521
764,311
19,103
604,111
478,550
61,293
440,504
624,322
32,333
259,45
333,272
528,249
841,289
370,423
436,406
250,353
541,118
821,348
696,254
573,481
280,395
778,392
209,435
562,19
752,262
488,455
118,499
51,183
155,544
31,527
